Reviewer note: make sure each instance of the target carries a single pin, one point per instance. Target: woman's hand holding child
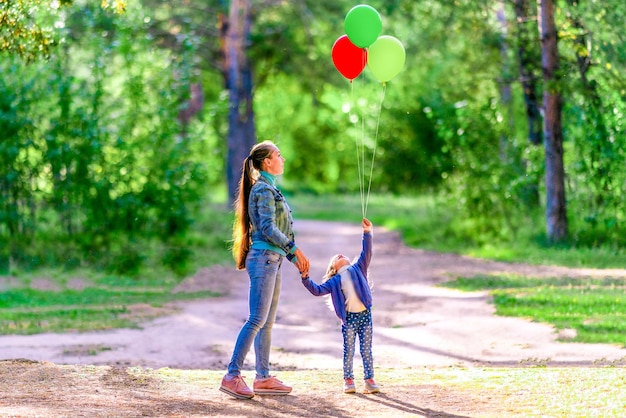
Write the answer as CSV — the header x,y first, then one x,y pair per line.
x,y
302,263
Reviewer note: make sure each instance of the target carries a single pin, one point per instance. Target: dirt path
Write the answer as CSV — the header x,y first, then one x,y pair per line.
x,y
415,323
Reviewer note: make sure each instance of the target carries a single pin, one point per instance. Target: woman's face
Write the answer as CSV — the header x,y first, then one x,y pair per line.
x,y
275,163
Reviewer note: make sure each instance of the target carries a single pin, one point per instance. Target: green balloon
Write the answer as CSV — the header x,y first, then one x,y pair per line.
x,y
363,25
385,58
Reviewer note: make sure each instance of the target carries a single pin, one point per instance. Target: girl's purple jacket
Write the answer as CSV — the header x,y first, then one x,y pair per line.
x,y
358,272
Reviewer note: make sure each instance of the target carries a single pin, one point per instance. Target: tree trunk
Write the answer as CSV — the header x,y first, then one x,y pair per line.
x,y
527,72
556,215
192,106
505,86
528,67
238,77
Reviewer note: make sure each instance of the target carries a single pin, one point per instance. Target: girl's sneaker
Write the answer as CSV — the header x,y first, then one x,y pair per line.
x,y
371,386
348,385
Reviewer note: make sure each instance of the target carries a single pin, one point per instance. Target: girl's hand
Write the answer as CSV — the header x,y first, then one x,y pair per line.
x,y
367,225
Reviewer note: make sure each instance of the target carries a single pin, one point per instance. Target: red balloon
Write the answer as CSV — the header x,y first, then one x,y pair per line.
x,y
348,58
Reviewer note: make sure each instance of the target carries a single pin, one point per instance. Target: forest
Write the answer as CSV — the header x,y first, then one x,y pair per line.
x,y
121,121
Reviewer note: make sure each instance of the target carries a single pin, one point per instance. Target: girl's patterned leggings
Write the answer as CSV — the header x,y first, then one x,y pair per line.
x,y
359,323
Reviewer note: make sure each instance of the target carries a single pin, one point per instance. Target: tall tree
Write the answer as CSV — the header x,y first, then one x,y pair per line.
x,y
235,32
222,29
527,70
505,84
556,215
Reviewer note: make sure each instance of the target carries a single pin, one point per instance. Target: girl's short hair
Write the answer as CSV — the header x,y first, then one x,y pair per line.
x,y
330,270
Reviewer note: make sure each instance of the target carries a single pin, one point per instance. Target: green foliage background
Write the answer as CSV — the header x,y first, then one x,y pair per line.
x,y
97,170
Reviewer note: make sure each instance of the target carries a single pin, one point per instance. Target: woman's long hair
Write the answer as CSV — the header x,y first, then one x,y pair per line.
x,y
249,175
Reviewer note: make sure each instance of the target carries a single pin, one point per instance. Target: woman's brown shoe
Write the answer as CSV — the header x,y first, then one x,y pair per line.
x,y
236,387
270,386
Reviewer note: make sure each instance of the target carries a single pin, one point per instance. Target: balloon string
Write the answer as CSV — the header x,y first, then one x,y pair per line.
x,y
380,107
362,175
358,151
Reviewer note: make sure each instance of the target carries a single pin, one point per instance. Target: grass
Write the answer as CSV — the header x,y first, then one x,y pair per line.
x,y
595,308
31,311
57,299
428,222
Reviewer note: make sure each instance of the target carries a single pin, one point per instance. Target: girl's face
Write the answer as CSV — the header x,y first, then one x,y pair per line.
x,y
340,261
275,163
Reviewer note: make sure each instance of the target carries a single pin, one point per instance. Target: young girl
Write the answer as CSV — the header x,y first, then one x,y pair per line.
x,y
352,300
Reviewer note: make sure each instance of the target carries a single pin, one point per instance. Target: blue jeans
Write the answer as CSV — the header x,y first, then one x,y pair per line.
x,y
263,267
358,324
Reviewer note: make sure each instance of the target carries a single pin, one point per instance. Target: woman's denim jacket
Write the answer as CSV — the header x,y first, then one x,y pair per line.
x,y
270,218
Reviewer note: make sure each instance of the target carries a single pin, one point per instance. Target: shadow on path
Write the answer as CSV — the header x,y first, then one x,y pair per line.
x,y
407,407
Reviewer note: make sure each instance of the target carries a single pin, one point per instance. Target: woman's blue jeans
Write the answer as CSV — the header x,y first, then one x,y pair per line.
x,y
263,267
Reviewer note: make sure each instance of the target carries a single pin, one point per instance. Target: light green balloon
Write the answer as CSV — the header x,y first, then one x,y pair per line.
x,y
385,58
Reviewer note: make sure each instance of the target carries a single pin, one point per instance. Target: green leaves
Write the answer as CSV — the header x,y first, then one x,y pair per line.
x,y
93,148
22,31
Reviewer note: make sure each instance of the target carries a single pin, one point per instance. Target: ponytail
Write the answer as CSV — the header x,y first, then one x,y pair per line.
x,y
241,226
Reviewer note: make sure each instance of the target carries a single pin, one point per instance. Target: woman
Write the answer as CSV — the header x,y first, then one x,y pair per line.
x,y
263,236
